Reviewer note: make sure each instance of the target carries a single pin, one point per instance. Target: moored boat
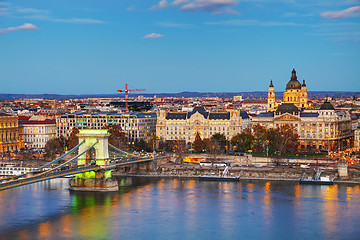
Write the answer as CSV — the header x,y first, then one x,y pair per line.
x,y
318,179
223,177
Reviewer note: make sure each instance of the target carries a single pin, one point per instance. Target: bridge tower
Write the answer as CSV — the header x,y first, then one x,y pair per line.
x,y
98,154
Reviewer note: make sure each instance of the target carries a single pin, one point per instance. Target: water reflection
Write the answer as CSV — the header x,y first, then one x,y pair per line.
x,y
330,209
250,189
183,209
267,204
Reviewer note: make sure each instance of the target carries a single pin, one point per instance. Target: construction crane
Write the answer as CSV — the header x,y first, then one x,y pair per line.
x,y
126,91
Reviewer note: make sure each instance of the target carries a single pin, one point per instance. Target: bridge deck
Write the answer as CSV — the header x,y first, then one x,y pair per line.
x,y
43,176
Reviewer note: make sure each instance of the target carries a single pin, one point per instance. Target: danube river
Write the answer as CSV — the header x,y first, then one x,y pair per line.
x,y
182,209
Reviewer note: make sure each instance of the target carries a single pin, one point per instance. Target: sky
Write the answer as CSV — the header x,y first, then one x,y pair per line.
x,y
169,46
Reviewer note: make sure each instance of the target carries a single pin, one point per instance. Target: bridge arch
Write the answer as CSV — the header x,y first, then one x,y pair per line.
x,y
99,152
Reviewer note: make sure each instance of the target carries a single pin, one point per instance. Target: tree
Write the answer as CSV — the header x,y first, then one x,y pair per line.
x,y
207,145
243,141
259,137
53,147
288,139
73,139
198,143
140,145
117,136
272,142
179,147
219,142
162,145
63,142
152,144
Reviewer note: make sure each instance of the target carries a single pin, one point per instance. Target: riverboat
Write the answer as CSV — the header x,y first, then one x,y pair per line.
x,y
223,177
214,164
318,179
12,170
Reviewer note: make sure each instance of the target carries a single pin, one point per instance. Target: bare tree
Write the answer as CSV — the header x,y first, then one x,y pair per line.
x,y
287,138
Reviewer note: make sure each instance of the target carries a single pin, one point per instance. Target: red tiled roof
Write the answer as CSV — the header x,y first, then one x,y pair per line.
x,y
23,118
34,122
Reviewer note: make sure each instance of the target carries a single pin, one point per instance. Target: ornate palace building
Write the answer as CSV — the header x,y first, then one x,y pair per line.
x,y
9,133
185,125
295,93
321,129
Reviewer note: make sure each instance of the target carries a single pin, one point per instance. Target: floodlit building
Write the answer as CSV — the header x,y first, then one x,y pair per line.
x,y
9,133
295,93
185,125
137,125
322,129
36,133
357,138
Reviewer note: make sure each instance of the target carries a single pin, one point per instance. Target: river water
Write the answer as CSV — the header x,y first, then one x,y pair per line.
x,y
181,209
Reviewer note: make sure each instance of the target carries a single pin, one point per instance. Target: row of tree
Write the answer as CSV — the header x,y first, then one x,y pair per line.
x,y
260,139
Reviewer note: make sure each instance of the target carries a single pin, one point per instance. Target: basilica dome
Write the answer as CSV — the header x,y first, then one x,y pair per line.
x,y
293,83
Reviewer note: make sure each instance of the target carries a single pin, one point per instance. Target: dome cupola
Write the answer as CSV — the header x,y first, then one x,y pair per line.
x,y
293,83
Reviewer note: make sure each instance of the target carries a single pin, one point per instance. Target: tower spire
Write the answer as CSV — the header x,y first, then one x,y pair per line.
x,y
304,85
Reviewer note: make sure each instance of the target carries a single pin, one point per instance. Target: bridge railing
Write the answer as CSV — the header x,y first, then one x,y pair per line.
x,y
69,161
61,157
123,152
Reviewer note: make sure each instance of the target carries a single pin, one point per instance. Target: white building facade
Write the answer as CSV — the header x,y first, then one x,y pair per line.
x,y
185,125
135,125
38,132
322,129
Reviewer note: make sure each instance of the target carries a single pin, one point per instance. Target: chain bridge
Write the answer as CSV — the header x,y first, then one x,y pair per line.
x,y
92,166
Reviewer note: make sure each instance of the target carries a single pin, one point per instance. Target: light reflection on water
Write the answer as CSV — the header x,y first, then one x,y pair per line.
x,y
181,209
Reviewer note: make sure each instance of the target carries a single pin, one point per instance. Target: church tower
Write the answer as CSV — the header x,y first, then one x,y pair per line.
x,y
292,91
303,95
271,98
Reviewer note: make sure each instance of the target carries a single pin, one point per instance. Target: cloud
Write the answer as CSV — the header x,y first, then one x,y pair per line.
x,y
154,35
162,4
341,14
131,8
175,25
31,11
240,22
227,11
79,20
4,3
65,20
179,2
338,31
25,26
4,12
45,15
208,5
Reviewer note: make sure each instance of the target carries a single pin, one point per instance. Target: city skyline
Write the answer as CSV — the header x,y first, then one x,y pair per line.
x,y
67,47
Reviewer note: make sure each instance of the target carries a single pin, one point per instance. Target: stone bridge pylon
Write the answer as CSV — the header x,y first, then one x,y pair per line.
x,y
99,152
96,151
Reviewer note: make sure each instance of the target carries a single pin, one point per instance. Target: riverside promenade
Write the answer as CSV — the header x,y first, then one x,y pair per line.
x,y
247,166
279,173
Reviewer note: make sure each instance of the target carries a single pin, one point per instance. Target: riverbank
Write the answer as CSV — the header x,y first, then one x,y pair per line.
x,y
263,174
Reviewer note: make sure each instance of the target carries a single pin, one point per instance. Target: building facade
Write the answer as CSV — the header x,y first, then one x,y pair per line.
x,y
135,125
9,133
36,133
295,93
185,125
322,129
357,138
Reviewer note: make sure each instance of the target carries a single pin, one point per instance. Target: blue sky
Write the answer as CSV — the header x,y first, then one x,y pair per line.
x,y
93,46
